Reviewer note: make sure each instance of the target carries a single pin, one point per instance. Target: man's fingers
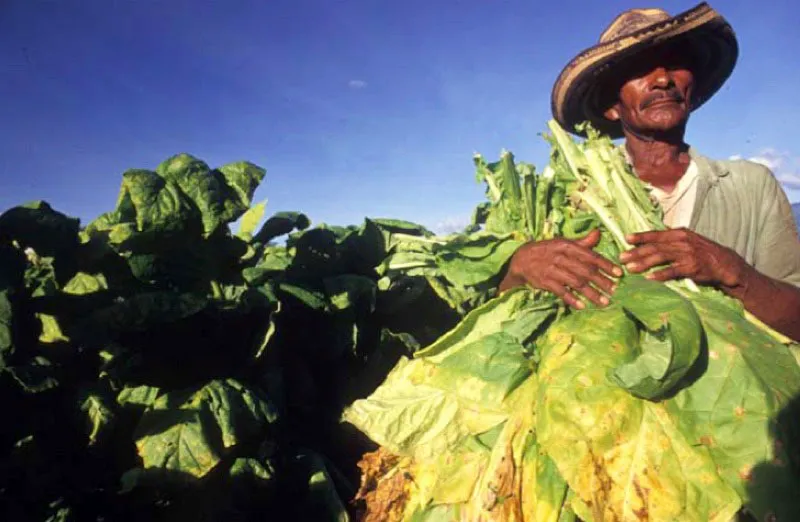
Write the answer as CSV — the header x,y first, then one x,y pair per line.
x,y
654,236
658,236
646,263
573,301
590,240
589,274
594,259
665,274
581,284
565,295
590,293
639,252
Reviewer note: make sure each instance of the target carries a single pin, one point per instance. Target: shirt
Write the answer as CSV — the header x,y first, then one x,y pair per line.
x,y
678,205
741,205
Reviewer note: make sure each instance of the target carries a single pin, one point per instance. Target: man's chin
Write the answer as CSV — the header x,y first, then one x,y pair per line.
x,y
666,117
666,128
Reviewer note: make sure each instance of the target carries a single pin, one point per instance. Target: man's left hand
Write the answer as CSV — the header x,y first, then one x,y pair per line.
x,y
684,254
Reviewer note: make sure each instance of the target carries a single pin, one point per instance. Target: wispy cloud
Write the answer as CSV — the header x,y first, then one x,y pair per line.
x,y
356,84
451,225
783,164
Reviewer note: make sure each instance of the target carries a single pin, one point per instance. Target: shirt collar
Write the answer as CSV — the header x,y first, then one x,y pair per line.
x,y
707,169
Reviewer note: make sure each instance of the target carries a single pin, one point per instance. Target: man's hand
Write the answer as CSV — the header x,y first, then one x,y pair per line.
x,y
566,268
684,254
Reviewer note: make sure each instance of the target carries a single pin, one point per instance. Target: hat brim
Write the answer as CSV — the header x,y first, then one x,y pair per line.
x,y
578,93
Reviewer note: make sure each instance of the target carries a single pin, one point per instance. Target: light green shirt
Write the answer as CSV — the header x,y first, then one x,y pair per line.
x,y
741,205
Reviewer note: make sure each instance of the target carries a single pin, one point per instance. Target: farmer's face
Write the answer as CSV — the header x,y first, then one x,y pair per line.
x,y
655,94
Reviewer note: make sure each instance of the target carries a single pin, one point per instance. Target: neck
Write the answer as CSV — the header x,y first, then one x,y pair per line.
x,y
660,160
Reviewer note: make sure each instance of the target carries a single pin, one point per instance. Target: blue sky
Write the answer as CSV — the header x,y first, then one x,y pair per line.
x,y
355,107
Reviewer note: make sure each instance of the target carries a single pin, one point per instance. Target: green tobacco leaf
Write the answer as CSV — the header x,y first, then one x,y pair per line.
x,y
379,363
138,396
274,261
578,226
461,299
396,293
6,325
349,291
410,417
352,301
51,330
479,214
83,283
145,310
743,408
188,263
399,226
481,258
409,263
322,500
189,433
670,334
221,196
239,413
268,332
250,220
182,166
99,415
442,513
319,252
506,213
108,227
36,376
154,204
311,298
216,202
244,177
250,467
38,226
540,475
279,224
179,444
488,319
61,513
40,276
452,389
622,455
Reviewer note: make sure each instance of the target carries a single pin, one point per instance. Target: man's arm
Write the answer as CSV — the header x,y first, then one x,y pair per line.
x,y
774,302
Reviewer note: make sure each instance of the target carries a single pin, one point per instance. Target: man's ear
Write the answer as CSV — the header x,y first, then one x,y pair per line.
x,y
612,113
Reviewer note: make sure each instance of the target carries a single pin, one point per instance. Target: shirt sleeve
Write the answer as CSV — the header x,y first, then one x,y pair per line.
x,y
777,252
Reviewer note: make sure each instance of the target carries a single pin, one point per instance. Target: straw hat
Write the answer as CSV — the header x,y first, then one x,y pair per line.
x,y
703,34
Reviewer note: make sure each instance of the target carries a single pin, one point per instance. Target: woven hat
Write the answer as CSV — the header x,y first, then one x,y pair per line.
x,y
701,34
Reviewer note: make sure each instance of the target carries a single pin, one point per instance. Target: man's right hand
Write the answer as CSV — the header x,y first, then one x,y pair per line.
x,y
567,268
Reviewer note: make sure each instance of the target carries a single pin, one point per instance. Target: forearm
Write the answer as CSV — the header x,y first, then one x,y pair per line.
x,y
775,303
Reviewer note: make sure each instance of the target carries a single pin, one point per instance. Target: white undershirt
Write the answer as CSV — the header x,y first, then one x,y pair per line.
x,y
678,205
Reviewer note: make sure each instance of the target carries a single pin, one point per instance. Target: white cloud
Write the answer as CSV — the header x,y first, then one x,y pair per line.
x,y
784,165
356,84
451,225
791,181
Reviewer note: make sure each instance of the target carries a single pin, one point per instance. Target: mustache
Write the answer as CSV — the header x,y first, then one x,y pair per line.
x,y
671,94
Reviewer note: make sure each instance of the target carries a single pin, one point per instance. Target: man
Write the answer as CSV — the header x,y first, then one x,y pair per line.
x,y
730,222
